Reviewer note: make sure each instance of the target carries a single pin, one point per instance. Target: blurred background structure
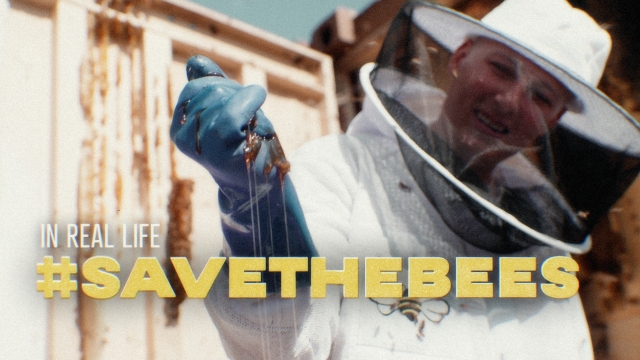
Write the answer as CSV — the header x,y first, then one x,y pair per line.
x,y
87,91
87,95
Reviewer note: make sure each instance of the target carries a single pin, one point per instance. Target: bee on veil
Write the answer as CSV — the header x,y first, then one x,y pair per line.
x,y
417,310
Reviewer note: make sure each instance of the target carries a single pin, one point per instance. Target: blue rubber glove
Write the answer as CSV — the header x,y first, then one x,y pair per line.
x,y
261,214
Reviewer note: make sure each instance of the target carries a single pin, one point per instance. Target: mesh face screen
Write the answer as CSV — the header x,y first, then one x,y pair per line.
x,y
496,121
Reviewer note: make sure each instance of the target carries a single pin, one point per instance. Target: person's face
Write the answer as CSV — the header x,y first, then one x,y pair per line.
x,y
499,98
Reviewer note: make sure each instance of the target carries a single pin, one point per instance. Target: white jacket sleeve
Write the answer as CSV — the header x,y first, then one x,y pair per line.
x,y
273,328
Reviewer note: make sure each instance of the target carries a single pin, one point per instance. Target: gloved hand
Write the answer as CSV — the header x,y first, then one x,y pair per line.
x,y
212,122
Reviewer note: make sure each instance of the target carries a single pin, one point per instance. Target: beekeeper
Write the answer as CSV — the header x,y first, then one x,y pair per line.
x,y
476,139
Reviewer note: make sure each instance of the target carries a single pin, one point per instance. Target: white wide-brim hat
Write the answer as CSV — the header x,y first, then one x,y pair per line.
x,y
580,167
562,40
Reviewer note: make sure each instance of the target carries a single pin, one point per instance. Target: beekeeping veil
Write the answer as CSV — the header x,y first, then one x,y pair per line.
x,y
504,183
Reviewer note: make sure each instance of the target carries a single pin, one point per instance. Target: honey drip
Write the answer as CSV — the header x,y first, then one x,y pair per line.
x,y
275,155
183,107
198,145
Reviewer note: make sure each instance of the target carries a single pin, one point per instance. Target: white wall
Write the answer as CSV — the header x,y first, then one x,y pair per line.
x,y
84,121
25,174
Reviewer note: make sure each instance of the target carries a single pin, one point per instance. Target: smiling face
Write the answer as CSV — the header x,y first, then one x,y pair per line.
x,y
499,100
